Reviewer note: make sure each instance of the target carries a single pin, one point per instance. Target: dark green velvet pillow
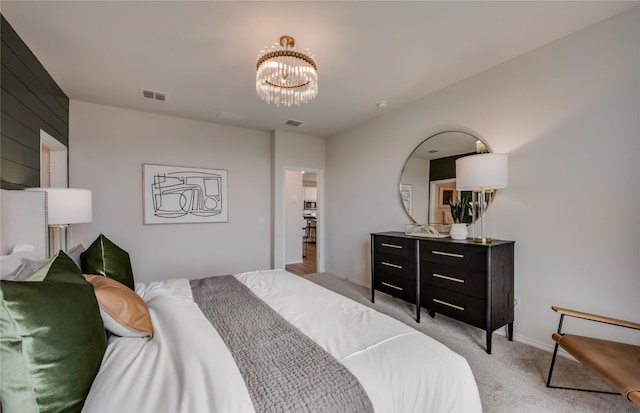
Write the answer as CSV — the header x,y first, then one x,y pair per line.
x,y
52,339
103,257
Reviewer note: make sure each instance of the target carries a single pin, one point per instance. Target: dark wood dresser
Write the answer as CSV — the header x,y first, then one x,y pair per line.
x,y
395,264
468,281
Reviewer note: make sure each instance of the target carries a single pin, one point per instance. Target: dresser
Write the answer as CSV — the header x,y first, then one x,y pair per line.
x,y
468,281
395,265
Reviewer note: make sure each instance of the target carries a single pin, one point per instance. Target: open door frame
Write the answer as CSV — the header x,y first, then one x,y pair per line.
x,y
55,170
279,250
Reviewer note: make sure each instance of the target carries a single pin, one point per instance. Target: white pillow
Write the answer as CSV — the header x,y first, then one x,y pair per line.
x,y
9,263
25,270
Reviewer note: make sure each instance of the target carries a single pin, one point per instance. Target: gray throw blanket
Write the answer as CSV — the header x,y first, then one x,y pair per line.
x,y
284,370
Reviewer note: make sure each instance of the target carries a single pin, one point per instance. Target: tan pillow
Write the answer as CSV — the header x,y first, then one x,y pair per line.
x,y
123,312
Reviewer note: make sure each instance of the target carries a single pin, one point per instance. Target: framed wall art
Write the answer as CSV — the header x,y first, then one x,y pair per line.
x,y
180,194
406,192
447,195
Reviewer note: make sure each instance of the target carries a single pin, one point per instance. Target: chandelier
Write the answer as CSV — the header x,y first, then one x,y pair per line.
x,y
286,76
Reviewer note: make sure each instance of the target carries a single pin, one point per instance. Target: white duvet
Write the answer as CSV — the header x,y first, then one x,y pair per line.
x,y
186,367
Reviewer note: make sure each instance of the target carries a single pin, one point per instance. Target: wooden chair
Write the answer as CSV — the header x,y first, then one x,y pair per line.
x,y
617,363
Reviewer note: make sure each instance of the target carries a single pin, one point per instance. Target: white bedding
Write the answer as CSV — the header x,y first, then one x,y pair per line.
x,y
186,367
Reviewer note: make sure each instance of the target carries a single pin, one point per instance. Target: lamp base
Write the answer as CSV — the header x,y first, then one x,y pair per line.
x,y
57,239
482,240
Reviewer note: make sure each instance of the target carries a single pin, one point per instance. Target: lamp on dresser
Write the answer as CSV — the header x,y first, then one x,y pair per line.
x,y
65,206
481,174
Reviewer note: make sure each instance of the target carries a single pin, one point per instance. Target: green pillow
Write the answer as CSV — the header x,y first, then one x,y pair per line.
x,y
103,257
52,339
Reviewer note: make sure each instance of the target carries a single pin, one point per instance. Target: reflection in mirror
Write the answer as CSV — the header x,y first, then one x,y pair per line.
x,y
428,180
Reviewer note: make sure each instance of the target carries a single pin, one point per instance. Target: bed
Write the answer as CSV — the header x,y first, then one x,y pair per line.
x,y
210,352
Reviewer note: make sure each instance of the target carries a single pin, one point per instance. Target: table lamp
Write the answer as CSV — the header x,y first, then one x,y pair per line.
x,y
481,174
65,206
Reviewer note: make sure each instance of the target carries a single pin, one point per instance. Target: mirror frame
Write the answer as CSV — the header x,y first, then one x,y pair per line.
x,y
400,183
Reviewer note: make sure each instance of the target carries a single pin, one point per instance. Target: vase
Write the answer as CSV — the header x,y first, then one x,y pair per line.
x,y
459,231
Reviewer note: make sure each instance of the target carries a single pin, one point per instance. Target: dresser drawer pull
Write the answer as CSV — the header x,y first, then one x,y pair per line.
x,y
388,264
391,245
458,280
448,304
448,254
393,286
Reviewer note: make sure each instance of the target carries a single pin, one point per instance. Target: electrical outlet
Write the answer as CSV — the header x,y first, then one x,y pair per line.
x,y
517,303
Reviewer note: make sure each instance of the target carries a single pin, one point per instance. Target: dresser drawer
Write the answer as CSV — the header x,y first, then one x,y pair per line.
x,y
397,246
459,255
396,265
396,286
457,279
462,307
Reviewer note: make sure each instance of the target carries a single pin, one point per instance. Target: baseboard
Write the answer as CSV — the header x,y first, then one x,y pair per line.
x,y
351,280
533,343
542,346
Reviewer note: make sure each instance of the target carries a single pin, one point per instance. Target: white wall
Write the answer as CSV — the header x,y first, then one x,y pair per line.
x,y
293,216
568,115
108,147
296,152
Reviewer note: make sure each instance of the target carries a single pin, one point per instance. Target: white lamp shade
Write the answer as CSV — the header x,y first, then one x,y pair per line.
x,y
67,205
483,171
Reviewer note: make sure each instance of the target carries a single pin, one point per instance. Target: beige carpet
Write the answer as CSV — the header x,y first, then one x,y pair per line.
x,y
512,378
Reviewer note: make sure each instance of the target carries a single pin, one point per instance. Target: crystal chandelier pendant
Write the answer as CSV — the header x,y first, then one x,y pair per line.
x,y
286,76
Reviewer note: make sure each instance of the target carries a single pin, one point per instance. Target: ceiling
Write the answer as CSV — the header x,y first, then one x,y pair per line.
x,y
203,54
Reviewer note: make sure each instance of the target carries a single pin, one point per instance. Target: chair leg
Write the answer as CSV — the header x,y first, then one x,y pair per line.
x,y
555,352
553,362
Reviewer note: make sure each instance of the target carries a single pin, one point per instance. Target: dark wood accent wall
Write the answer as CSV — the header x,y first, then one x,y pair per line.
x,y
30,100
444,168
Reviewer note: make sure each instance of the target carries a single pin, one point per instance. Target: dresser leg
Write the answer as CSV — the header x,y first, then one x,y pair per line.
x,y
489,342
510,331
432,313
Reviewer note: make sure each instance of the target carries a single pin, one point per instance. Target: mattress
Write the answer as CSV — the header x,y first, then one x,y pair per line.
x,y
187,367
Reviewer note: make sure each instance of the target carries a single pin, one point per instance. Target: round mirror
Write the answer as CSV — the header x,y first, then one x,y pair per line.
x,y
428,180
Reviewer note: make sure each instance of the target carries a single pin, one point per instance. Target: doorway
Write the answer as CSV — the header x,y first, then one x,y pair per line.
x,y
301,221
53,174
53,162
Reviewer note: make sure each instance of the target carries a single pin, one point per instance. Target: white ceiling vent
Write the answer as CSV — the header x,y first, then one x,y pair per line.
x,y
294,122
228,116
153,94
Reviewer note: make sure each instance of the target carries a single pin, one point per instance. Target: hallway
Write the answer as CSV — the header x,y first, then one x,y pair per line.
x,y
308,264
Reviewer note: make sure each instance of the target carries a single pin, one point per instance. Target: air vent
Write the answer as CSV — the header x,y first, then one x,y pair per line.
x,y
152,94
228,116
294,122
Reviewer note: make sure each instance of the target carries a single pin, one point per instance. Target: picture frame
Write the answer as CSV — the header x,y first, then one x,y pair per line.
x,y
181,194
446,195
406,193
